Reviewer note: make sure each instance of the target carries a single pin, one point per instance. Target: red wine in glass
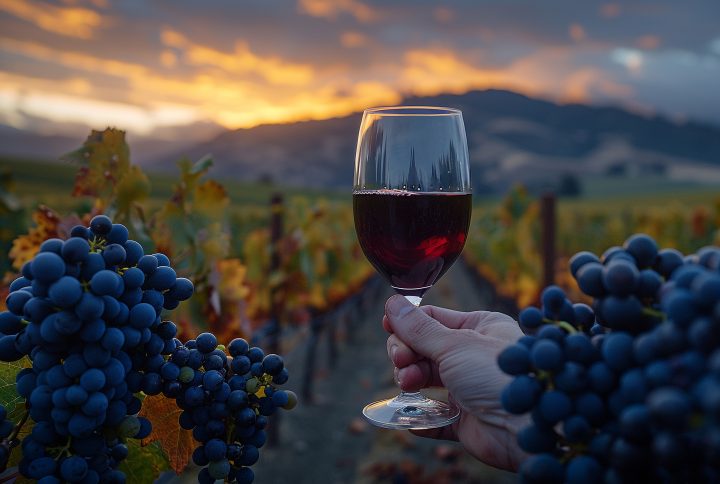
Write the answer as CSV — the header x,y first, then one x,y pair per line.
x,y
412,204
411,238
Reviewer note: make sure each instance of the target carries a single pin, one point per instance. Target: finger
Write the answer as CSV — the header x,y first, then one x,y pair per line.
x,y
400,354
498,325
419,331
418,375
477,320
448,317
421,374
386,324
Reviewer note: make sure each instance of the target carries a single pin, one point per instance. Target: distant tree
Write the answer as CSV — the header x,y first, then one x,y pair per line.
x,y
569,186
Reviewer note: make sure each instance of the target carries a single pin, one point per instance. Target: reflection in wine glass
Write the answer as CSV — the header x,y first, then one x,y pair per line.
x,y
412,203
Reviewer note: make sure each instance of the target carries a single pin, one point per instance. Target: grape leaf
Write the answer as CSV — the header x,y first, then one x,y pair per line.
x,y
14,403
133,187
177,443
8,395
201,166
26,246
144,463
16,414
104,159
210,197
193,219
232,279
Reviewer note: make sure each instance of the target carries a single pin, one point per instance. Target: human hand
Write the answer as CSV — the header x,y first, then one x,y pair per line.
x,y
432,346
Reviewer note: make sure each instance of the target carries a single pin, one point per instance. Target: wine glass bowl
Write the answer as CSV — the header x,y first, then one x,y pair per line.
x,y
412,203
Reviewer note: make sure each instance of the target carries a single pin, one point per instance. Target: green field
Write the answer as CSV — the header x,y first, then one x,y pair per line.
x,y
51,183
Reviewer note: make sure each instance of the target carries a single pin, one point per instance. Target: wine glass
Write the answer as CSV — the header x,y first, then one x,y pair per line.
x,y
412,203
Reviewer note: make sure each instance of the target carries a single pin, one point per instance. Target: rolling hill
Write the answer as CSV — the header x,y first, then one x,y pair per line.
x,y
512,138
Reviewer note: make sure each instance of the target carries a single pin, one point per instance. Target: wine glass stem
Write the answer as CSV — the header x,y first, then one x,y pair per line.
x,y
415,300
408,398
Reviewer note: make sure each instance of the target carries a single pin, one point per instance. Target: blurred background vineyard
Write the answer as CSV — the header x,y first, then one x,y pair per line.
x,y
222,243
218,108
219,233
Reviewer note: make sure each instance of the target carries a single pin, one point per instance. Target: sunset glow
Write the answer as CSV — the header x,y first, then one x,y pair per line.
x,y
97,62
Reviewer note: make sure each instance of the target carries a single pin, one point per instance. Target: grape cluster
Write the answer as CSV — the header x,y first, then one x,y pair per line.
x,y
86,310
627,390
226,401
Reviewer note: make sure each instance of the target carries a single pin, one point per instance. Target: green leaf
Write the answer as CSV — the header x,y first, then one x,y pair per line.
x,y
133,187
8,394
16,414
202,165
144,463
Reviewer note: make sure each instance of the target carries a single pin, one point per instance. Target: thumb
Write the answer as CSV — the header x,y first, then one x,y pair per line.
x,y
416,329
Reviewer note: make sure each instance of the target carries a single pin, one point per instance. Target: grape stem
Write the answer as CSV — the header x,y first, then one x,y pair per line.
x,y
653,312
64,450
566,326
10,478
18,427
97,244
546,376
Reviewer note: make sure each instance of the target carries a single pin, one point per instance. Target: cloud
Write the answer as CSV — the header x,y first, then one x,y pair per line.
x,y
67,21
648,42
431,71
241,61
72,100
331,9
586,84
610,10
72,59
353,39
444,14
577,32
222,96
243,65
632,59
715,46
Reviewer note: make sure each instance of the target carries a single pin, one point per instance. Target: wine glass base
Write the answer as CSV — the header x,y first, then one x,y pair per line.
x,y
411,411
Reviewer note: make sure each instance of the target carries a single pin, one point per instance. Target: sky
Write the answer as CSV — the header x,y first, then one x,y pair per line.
x,y
145,65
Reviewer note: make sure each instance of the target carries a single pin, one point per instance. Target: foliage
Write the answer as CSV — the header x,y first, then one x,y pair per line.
x,y
503,243
176,442
320,263
503,246
146,461
12,216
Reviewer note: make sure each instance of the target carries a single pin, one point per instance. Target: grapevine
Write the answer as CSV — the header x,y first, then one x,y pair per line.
x,y
625,390
226,402
86,311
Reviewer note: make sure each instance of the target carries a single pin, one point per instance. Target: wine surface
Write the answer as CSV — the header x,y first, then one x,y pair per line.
x,y
411,238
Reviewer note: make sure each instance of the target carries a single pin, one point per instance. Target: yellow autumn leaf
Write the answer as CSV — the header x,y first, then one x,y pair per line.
x,y
104,159
232,279
26,246
210,198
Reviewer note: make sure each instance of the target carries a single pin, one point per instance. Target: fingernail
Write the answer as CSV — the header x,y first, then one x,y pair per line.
x,y
398,376
393,350
398,306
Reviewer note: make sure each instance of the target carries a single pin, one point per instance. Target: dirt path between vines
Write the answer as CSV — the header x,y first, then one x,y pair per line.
x,y
327,441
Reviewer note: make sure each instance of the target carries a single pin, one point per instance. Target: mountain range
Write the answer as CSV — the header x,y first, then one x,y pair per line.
x,y
511,137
